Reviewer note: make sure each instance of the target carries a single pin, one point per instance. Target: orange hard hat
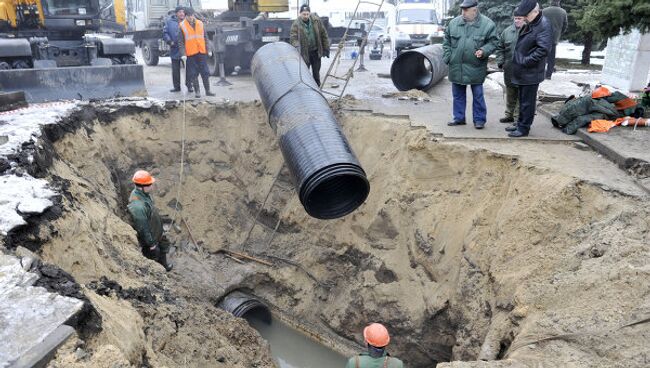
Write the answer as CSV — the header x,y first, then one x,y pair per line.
x,y
601,92
376,335
142,177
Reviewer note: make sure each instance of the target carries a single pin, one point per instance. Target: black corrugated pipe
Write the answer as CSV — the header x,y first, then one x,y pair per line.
x,y
239,304
328,177
420,68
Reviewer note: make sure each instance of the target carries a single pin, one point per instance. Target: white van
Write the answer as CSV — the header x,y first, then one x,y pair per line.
x,y
414,24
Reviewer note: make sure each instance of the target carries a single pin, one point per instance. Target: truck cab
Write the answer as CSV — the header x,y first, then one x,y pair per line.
x,y
413,24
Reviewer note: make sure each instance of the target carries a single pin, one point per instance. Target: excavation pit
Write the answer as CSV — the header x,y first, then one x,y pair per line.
x,y
463,254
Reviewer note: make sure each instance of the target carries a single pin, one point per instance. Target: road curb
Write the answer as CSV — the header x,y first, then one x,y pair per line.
x,y
611,154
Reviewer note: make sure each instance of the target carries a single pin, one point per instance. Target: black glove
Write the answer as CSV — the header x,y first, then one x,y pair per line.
x,y
500,66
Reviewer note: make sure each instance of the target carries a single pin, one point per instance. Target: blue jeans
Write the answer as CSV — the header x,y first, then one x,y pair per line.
x,y
479,109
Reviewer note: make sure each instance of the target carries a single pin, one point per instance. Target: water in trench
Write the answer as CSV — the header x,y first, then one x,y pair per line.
x,y
292,349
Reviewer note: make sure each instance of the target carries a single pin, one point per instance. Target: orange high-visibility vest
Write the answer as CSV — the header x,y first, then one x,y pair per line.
x,y
194,37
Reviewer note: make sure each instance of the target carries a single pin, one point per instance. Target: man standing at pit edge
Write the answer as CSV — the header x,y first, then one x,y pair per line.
x,y
529,63
376,337
193,44
170,35
147,221
309,35
469,40
505,48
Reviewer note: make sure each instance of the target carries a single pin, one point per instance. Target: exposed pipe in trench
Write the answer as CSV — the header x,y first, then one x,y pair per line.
x,y
421,68
328,176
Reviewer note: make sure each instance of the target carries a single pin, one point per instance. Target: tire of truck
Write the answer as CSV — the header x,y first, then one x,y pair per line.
x,y
20,64
150,52
213,60
4,65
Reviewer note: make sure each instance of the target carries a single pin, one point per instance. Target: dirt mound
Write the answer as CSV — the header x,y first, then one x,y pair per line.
x,y
462,253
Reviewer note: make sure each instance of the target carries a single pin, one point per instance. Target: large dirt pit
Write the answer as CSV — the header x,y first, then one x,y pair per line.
x,y
463,254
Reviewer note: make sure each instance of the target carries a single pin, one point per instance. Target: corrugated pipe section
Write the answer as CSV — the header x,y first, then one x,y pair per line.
x,y
239,304
421,68
328,177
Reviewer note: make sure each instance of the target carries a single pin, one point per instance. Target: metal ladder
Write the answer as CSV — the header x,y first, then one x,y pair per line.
x,y
345,79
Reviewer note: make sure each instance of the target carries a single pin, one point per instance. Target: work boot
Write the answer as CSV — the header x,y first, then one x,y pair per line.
x,y
162,259
517,134
511,128
507,119
206,85
479,125
456,122
190,89
175,90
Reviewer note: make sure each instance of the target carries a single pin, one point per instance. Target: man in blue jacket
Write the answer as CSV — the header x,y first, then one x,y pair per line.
x,y
529,63
170,35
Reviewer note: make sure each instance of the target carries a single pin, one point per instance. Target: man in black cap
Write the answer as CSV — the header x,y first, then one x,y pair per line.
x,y
529,63
469,40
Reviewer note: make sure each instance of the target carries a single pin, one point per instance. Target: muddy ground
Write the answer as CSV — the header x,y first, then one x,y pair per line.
x,y
464,253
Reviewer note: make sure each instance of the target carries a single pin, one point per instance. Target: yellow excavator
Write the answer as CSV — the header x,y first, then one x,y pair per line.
x,y
67,49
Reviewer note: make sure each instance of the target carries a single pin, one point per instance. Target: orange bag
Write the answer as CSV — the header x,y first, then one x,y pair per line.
x,y
601,126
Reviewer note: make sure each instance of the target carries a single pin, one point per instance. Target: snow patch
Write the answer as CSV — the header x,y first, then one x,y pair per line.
x,y
25,195
23,125
570,51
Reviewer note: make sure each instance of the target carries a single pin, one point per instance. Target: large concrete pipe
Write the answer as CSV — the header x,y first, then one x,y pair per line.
x,y
328,177
420,68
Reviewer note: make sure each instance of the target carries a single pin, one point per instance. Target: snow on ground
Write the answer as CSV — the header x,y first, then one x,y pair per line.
x,y
24,194
21,195
567,50
23,125
562,84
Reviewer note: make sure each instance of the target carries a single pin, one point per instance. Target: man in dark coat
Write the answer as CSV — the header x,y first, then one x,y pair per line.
x,y
469,41
529,62
309,35
170,35
560,23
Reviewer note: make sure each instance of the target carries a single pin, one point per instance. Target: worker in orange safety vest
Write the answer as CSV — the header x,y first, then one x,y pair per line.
x,y
192,40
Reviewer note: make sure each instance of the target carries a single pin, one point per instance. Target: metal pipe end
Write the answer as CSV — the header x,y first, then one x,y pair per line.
x,y
335,191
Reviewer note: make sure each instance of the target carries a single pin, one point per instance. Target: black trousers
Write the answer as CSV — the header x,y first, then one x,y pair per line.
x,y
176,73
550,62
314,64
198,65
527,105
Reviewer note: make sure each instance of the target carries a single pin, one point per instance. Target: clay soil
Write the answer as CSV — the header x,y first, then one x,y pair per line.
x,y
463,253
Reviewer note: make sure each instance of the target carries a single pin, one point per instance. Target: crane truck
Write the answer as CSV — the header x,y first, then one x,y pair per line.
x,y
67,49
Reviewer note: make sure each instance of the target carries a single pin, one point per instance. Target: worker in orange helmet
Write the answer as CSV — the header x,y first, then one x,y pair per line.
x,y
146,219
376,337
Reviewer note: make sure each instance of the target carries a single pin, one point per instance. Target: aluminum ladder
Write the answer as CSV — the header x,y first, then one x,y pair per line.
x,y
331,72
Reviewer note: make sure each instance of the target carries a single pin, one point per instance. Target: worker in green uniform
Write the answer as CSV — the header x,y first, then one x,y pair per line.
x,y
147,221
377,339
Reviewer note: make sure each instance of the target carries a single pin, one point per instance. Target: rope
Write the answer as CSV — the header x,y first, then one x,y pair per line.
x,y
179,187
259,212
